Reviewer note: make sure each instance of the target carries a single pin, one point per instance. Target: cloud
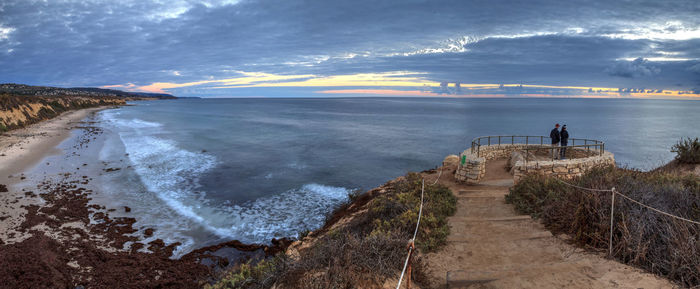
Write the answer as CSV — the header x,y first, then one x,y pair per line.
x,y
671,30
695,68
257,79
639,67
5,32
155,45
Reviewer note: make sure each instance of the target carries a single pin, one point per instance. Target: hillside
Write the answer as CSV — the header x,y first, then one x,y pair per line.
x,y
29,90
21,105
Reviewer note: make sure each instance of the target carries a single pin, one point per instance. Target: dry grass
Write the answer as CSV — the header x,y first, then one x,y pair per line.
x,y
371,248
641,237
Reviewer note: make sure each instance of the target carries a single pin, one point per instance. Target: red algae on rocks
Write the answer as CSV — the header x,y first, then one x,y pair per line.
x,y
74,243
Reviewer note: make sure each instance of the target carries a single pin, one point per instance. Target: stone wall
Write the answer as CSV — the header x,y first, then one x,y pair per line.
x,y
567,169
472,168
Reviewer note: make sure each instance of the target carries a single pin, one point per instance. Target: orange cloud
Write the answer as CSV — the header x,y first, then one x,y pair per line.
x,y
383,92
396,92
384,82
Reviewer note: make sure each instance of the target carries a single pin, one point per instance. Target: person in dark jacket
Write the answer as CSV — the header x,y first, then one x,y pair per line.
x,y
564,135
555,136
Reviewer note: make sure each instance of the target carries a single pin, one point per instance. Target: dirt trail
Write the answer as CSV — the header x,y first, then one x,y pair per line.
x,y
491,246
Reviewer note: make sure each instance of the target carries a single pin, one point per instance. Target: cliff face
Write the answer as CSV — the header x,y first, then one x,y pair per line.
x,y
17,111
21,104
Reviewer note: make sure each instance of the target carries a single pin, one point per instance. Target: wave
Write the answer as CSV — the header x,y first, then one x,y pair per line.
x,y
172,175
286,214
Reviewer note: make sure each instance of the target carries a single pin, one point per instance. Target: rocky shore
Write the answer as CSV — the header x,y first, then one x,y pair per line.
x,y
53,235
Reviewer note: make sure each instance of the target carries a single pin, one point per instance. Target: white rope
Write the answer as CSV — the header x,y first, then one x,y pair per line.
x,y
420,210
405,264
632,200
578,187
612,218
657,210
438,178
410,249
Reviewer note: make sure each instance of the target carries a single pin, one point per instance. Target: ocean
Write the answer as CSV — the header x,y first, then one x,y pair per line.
x,y
203,171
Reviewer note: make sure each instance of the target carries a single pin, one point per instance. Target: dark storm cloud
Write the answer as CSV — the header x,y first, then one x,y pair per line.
x,y
76,43
639,67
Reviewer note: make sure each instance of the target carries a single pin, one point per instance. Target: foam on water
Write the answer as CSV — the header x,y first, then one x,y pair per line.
x,y
172,173
286,214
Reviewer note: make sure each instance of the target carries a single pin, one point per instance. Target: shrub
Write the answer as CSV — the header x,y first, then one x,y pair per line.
x,y
263,274
399,211
687,151
345,259
369,249
641,237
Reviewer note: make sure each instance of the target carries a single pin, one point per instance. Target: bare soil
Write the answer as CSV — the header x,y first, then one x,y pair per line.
x,y
491,246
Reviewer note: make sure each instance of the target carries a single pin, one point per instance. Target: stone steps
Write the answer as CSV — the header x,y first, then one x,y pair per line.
x,y
498,254
481,194
570,273
505,236
516,218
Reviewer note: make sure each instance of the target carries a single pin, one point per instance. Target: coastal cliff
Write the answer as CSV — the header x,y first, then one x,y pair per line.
x,y
21,105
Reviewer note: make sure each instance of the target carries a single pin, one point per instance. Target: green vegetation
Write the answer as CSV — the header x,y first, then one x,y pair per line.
x,y
247,275
687,151
641,237
369,249
399,211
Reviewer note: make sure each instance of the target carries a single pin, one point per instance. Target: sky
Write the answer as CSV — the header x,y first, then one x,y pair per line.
x,y
326,48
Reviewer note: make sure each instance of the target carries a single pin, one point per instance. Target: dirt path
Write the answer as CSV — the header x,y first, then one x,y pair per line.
x,y
491,246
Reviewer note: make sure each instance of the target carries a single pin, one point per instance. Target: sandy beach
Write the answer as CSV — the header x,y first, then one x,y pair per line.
x,y
20,150
56,233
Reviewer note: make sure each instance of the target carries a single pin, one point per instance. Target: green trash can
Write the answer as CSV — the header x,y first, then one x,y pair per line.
x,y
464,159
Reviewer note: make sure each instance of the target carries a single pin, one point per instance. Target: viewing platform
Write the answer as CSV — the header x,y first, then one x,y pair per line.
x,y
528,154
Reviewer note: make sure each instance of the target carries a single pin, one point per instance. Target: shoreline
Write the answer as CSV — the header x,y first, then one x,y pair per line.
x,y
23,148
52,231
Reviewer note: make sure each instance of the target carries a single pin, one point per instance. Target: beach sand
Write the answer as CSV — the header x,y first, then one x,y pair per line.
x,y
55,232
20,150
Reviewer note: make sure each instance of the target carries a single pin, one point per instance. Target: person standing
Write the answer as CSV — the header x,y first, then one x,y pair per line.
x,y
556,137
564,135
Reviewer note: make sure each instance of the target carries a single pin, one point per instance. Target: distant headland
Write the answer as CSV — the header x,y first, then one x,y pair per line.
x,y
21,104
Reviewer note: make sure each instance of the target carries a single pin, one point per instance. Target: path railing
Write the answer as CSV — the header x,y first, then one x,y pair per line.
x,y
534,143
412,242
614,193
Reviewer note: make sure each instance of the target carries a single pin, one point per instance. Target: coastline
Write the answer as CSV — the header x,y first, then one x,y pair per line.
x,y
52,232
23,148
20,150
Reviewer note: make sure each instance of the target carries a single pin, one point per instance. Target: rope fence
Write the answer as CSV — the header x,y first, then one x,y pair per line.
x,y
411,242
614,192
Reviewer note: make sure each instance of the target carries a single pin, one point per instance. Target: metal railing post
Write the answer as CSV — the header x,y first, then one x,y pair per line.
x,y
588,143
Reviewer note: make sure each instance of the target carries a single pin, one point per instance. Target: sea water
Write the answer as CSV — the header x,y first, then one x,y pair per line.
x,y
203,171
